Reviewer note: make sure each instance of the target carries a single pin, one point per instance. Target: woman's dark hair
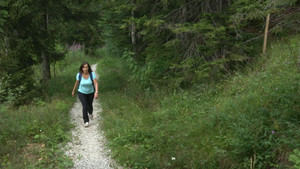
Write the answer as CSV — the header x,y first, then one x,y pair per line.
x,y
90,69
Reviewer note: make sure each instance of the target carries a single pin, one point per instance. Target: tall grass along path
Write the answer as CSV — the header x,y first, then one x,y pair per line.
x,y
87,148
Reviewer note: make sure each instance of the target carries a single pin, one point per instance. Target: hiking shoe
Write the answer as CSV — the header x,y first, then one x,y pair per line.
x,y
91,116
86,124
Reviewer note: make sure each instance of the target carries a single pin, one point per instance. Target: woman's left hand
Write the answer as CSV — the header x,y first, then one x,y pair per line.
x,y
96,95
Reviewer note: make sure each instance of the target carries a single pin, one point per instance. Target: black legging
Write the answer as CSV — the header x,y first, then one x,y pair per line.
x,y
87,105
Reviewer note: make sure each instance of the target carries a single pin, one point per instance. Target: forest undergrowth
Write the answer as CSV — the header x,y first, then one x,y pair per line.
x,y
32,135
248,120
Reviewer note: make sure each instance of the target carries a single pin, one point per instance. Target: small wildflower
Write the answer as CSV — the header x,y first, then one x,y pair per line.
x,y
173,158
40,130
273,132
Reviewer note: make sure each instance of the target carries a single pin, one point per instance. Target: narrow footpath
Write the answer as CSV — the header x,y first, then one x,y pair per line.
x,y
87,148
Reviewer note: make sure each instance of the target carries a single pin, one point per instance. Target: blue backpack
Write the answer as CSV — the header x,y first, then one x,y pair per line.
x,y
91,77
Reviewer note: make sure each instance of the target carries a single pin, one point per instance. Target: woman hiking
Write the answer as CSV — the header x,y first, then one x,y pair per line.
x,y
87,91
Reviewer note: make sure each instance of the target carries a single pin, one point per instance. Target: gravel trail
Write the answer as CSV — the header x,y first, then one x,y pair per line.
x,y
88,149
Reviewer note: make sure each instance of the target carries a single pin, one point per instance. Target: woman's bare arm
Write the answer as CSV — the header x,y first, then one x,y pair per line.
x,y
96,89
75,87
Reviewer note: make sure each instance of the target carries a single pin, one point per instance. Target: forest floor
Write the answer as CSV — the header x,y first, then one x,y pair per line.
x,y
88,149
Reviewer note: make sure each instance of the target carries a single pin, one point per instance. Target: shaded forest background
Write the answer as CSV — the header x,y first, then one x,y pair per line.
x,y
172,43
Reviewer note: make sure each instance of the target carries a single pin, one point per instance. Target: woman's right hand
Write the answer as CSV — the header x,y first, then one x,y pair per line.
x,y
73,93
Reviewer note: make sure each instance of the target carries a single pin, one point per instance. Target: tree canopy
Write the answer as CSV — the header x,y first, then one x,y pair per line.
x,y
35,32
174,43
186,42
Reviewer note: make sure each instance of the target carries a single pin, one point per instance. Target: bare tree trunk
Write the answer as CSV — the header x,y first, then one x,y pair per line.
x,y
54,72
45,58
133,35
266,34
133,31
183,19
6,46
45,68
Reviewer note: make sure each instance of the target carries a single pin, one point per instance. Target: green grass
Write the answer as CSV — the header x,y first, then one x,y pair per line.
x,y
32,136
46,125
252,118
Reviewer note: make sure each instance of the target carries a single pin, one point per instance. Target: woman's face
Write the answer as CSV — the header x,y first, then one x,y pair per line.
x,y
85,68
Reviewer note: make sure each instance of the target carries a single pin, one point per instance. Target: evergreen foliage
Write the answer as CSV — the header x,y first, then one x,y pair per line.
x,y
36,32
180,43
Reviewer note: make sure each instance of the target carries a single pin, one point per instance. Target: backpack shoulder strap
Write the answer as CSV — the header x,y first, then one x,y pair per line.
x,y
91,76
80,75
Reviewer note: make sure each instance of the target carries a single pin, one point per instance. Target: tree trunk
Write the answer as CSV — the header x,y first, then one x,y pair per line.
x,y
45,58
133,37
54,72
183,19
45,68
266,34
6,45
133,31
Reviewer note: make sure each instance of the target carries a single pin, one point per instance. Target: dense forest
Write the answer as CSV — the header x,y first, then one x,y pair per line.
x,y
172,43
159,52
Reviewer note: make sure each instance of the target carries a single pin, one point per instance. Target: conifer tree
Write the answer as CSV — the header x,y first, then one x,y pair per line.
x,y
29,33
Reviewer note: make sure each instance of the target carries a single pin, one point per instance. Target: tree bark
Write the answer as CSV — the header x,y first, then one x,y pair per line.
x,y
6,45
45,68
266,34
54,72
133,30
133,35
45,58
183,17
